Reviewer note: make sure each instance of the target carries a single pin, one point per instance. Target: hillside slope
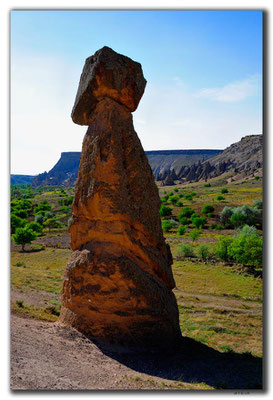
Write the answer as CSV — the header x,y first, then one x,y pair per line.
x,y
241,159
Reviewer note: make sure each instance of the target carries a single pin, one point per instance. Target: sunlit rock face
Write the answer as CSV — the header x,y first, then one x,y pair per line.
x,y
118,284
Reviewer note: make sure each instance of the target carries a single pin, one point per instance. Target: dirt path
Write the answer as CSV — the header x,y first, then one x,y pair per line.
x,y
45,356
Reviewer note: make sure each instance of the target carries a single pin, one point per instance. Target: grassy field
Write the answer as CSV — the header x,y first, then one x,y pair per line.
x,y
220,304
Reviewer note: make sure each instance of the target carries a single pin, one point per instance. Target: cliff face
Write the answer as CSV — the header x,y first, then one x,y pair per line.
x,y
63,173
243,158
162,162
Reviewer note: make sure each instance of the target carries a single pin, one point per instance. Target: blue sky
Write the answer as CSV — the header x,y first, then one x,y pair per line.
x,y
204,73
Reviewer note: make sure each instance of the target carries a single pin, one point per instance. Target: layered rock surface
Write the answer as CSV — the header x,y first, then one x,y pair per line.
x,y
118,284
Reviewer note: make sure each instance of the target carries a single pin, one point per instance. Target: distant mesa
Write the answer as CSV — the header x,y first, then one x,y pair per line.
x,y
244,157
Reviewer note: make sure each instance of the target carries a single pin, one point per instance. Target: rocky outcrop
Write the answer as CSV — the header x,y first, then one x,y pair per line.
x,y
118,284
168,181
63,173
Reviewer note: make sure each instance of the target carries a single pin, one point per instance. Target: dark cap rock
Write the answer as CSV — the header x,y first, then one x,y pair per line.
x,y
108,74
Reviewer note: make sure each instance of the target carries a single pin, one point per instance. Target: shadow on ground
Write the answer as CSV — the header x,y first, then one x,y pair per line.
x,y
194,362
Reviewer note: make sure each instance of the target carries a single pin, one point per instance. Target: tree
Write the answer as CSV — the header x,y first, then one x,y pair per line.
x,y
199,222
203,251
247,249
52,223
167,225
23,236
225,216
16,222
21,213
181,230
173,199
207,209
43,206
185,212
195,234
186,250
238,219
258,203
39,218
220,197
222,248
165,211
184,221
35,227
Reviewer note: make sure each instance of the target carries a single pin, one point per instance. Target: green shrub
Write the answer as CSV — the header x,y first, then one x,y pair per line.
x,y
209,215
66,208
224,190
238,219
253,215
176,190
222,247
16,222
207,185
39,218
167,225
35,227
247,250
165,211
184,221
22,204
185,212
186,250
203,251
188,197
213,226
258,203
207,209
43,206
181,230
21,213
51,223
199,222
194,215
225,216
68,201
247,230
23,236
179,203
173,199
194,234
220,198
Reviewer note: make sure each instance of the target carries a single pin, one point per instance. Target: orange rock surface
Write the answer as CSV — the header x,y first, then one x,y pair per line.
x,y
118,284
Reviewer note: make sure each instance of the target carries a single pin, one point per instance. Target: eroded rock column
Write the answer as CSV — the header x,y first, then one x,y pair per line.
x,y
118,284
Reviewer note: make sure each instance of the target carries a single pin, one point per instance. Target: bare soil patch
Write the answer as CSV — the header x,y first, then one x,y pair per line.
x,y
46,356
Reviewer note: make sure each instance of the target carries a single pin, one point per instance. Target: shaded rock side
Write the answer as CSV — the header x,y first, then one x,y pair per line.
x,y
108,74
118,284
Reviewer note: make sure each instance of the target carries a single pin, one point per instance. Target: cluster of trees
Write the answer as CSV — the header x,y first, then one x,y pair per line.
x,y
245,247
176,198
187,216
244,215
29,219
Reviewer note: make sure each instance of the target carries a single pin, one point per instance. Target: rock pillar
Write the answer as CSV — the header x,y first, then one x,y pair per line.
x,y
118,283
